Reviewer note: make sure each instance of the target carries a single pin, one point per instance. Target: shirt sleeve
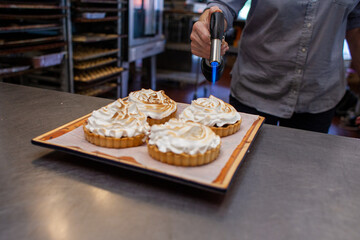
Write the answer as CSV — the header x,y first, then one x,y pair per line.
x,y
230,8
354,18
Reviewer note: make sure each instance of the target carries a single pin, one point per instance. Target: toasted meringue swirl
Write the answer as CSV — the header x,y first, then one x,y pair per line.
x,y
118,119
154,104
179,136
211,112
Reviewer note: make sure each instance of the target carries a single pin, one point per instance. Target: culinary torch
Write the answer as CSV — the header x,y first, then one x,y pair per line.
x,y
213,68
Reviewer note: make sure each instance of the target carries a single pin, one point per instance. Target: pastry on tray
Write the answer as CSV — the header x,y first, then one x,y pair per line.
x,y
93,63
220,116
117,125
90,75
156,105
182,143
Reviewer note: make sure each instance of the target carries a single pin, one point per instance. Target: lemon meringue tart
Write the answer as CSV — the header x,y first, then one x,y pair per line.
x,y
213,112
156,105
182,143
117,125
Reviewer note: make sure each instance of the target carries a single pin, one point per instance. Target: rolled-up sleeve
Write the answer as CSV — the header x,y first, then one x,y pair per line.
x,y
354,18
230,8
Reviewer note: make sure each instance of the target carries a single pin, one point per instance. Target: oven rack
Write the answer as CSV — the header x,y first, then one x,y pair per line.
x,y
34,5
95,64
92,38
32,39
99,90
34,32
82,86
107,20
102,1
37,28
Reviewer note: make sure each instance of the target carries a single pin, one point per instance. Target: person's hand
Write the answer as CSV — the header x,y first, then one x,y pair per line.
x,y
200,35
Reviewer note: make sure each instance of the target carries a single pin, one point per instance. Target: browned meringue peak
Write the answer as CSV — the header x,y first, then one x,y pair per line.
x,y
154,104
118,119
211,111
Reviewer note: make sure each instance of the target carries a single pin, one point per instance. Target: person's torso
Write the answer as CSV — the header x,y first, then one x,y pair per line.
x,y
291,54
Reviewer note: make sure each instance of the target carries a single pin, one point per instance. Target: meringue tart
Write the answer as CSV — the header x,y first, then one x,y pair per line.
x,y
117,125
213,112
156,105
182,143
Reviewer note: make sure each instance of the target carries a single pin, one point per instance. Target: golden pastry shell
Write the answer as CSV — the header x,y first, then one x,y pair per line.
x,y
111,142
228,130
183,159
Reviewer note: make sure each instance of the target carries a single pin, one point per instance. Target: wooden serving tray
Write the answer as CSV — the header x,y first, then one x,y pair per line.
x,y
215,176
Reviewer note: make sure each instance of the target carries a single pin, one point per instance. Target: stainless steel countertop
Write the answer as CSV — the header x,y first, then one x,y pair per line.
x,y
293,184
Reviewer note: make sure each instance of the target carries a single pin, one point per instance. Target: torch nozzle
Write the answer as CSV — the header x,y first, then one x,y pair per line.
x,y
215,52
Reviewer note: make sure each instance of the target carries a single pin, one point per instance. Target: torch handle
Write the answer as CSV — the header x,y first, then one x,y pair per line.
x,y
217,25
216,33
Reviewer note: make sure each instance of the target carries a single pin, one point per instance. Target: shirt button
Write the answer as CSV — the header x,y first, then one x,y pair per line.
x,y
299,71
308,25
303,49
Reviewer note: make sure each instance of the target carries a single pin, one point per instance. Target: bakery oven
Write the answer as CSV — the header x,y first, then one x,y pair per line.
x,y
145,28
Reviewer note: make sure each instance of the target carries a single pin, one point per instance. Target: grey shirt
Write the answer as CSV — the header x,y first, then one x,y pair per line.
x,y
290,53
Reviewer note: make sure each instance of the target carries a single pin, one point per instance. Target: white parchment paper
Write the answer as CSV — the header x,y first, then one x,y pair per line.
x,y
204,174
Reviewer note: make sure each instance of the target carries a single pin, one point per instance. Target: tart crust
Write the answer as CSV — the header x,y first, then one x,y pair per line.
x,y
153,121
184,159
111,142
228,130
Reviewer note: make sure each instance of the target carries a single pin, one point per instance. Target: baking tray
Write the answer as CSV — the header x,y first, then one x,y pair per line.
x,y
30,17
96,9
28,39
32,48
21,28
91,37
7,69
101,77
48,60
98,90
215,176
82,86
102,1
93,15
108,62
24,5
105,19
96,55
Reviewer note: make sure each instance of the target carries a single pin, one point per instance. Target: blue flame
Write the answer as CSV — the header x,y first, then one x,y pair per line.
x,y
214,66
